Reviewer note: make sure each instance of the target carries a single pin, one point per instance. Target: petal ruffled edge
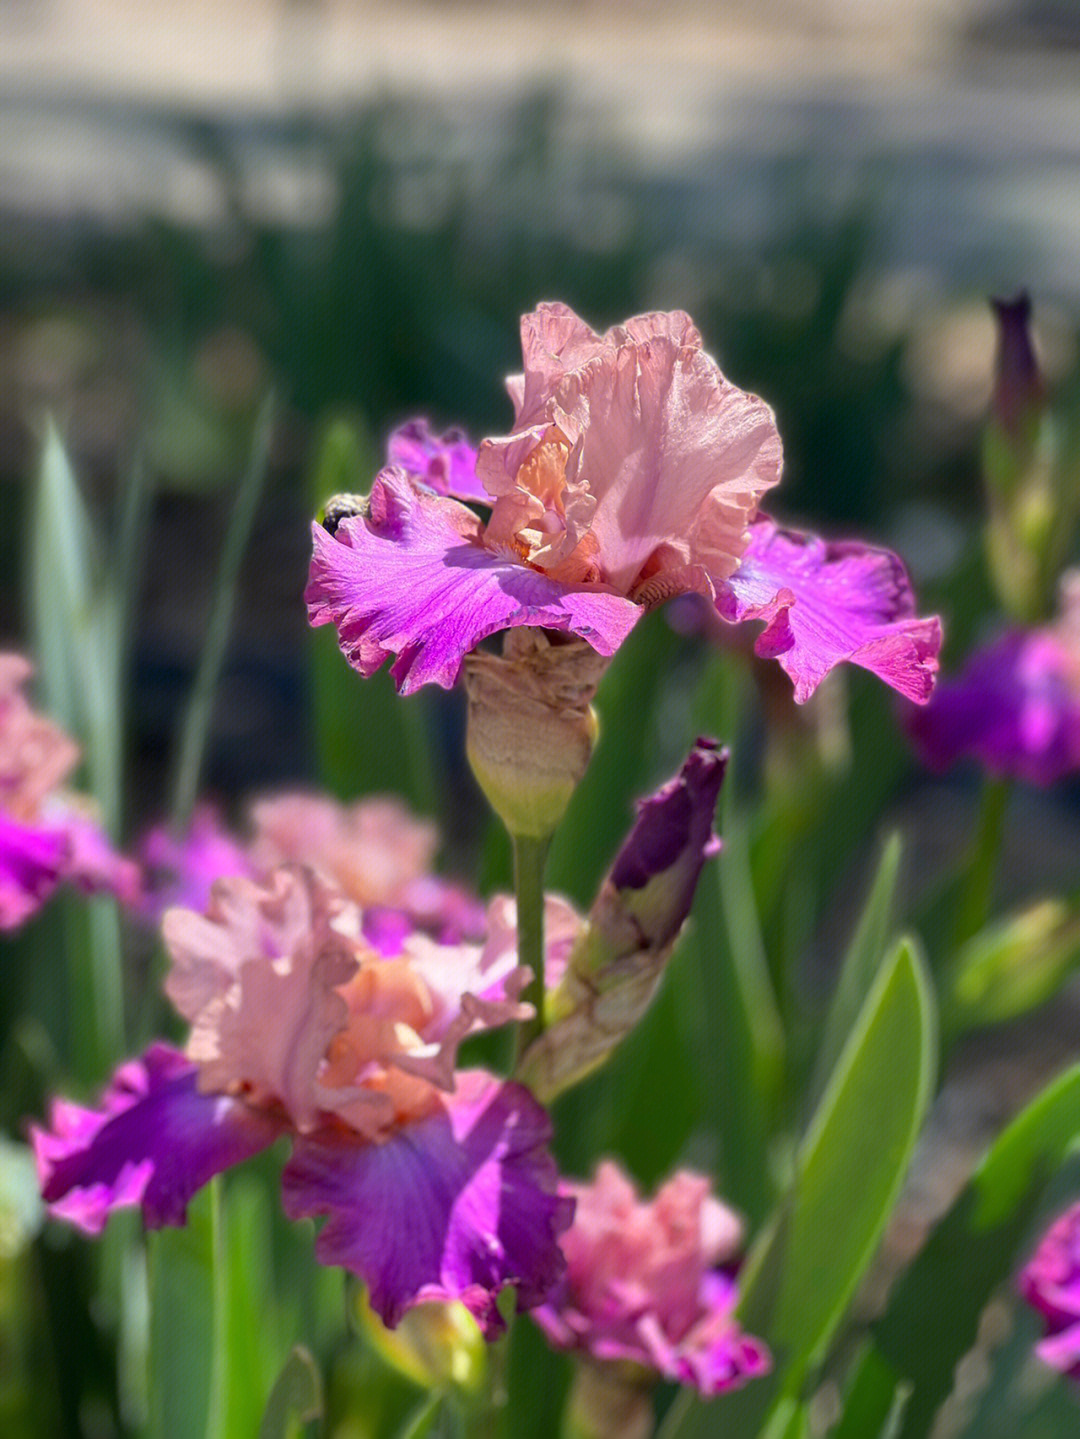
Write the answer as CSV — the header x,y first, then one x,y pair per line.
x,y
32,863
154,1142
823,603
410,578
455,1206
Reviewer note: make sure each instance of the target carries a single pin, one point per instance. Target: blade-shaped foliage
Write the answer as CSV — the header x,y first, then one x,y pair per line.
x,y
804,1272
933,1317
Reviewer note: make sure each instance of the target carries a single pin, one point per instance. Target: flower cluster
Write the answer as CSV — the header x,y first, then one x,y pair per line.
x,y
47,836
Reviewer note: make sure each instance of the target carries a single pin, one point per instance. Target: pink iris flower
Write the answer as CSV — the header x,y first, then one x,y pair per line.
x,y
1015,705
47,837
645,1281
374,850
1050,1282
436,1183
633,473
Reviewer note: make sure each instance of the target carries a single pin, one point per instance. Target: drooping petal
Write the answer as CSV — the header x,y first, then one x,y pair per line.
x,y
457,1205
31,866
445,463
411,579
1014,707
823,603
35,754
154,1142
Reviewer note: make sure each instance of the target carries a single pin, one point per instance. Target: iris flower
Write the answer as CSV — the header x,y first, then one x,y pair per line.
x,y
1015,706
47,836
645,1281
436,1183
633,473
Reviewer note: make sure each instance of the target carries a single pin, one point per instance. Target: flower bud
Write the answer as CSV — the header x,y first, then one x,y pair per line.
x,y
618,960
435,1345
531,726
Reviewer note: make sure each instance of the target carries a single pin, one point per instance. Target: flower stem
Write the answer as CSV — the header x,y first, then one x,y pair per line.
x,y
977,887
219,1280
530,857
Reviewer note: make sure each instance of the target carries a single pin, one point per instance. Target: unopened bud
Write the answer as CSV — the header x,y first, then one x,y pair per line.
x,y
618,960
610,1401
1018,384
438,1346
531,726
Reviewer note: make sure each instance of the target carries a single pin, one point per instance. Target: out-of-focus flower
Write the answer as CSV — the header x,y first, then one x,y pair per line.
x,y
645,1282
617,958
1019,391
436,1182
633,474
1050,1282
1015,706
375,851
47,836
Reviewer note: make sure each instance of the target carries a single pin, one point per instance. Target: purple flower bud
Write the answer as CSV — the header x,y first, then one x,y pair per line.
x,y
1018,383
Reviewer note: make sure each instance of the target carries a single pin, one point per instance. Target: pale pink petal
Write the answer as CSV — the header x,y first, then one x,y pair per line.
x,y
823,603
553,341
411,579
264,987
35,754
454,1206
154,1142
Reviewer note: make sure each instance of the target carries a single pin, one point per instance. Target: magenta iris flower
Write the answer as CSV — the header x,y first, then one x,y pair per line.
x,y
645,1281
1014,707
633,473
47,836
435,1182
1051,1283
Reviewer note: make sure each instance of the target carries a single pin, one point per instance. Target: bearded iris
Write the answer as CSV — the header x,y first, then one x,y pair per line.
x,y
633,473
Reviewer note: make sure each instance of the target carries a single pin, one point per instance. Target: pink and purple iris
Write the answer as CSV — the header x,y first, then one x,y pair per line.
x,y
436,1183
46,837
1014,707
1050,1282
633,473
650,1281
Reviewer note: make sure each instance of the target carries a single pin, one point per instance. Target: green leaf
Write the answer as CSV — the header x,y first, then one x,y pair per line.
x,y
933,1316
1012,966
804,1272
862,961
296,1398
196,724
875,1402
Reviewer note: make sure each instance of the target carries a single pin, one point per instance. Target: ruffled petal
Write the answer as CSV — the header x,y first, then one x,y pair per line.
x,y
445,463
154,1142
410,578
1015,707
823,603
31,865
457,1205
1050,1282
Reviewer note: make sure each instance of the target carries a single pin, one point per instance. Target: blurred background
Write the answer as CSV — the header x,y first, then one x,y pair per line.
x,y
351,204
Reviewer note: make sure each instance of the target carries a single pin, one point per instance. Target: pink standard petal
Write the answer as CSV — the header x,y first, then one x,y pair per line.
x,y
446,463
823,603
411,579
31,865
455,1206
154,1142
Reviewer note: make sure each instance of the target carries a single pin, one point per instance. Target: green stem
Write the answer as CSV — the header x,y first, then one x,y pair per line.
x,y
977,887
530,857
219,1280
